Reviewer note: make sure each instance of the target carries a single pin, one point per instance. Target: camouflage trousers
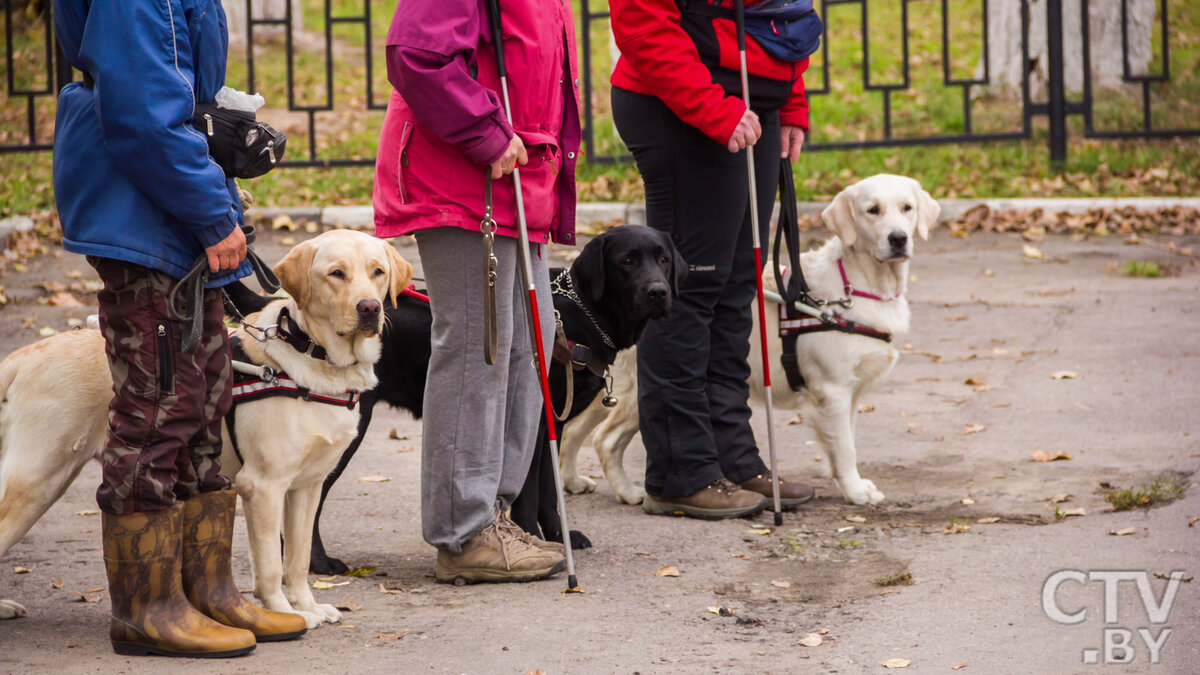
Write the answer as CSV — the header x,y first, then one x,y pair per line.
x,y
164,421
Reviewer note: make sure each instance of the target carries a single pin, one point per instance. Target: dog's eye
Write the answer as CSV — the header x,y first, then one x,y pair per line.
x,y
627,260
379,271
337,274
664,259
906,208
874,210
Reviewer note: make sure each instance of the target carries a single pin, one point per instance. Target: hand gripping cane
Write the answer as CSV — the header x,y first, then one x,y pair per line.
x,y
531,305
740,16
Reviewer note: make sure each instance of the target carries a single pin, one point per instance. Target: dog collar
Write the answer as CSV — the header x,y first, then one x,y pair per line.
x,y
567,289
297,338
862,294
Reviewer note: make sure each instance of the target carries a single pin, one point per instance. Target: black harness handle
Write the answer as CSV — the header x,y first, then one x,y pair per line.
x,y
789,229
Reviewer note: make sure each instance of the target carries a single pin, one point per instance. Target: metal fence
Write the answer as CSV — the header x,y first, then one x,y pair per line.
x,y
36,69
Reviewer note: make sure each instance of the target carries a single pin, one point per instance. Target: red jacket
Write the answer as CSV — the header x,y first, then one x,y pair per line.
x,y
659,59
445,121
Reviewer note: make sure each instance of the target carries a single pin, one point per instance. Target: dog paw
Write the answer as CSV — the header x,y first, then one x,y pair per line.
x,y
632,495
327,566
861,492
331,613
312,619
578,485
579,540
10,609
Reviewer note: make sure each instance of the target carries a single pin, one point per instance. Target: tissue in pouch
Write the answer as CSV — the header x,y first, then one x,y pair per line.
x,y
239,100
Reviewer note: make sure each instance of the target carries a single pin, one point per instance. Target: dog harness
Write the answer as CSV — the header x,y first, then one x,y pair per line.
x,y
793,324
266,381
573,355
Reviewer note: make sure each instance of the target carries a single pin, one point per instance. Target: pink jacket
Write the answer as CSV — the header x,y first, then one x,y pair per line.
x,y
445,122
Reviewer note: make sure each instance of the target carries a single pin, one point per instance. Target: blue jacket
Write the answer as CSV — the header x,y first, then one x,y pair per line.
x,y
132,177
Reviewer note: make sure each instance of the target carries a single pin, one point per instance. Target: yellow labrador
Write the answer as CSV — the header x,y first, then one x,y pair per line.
x,y
57,393
874,221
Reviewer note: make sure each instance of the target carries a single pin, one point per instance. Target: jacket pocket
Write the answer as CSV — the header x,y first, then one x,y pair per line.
x,y
402,161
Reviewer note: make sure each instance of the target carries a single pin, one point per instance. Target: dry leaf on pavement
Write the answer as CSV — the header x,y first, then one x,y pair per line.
x,y
1060,498
1071,512
1122,532
856,519
667,571
374,478
1032,252
780,583
348,603
959,666
811,640
1049,456
392,636
971,429
1064,375
988,521
758,530
896,663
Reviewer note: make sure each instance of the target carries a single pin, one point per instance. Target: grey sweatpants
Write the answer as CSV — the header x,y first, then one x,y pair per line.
x,y
480,422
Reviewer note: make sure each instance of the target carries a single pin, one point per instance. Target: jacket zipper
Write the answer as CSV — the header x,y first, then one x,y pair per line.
x,y
404,131
166,369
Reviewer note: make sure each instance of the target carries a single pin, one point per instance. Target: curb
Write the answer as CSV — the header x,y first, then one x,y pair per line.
x,y
588,213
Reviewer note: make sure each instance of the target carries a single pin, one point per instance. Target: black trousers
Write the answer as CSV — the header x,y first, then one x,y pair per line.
x,y
692,369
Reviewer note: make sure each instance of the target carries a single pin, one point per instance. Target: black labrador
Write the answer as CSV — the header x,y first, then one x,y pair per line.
x,y
621,279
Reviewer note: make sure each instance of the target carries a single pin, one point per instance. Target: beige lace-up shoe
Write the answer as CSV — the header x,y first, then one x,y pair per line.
x,y
497,555
504,521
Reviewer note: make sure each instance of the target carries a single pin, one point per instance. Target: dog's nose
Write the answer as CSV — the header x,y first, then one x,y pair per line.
x,y
368,310
657,293
898,239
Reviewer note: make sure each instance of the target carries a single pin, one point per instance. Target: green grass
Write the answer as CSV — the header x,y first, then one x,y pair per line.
x,y
1143,269
1161,491
901,577
849,112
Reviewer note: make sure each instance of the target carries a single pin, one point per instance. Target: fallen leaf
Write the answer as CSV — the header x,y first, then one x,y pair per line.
x,y
58,584
88,512
796,419
47,331
959,666
957,528
968,501
83,598
325,585
574,589
982,387
96,589
958,317
283,222
823,631
971,429
1063,375
1047,456
743,556
1060,498
17,569
390,591
989,520
64,299
780,583
896,663
758,530
1032,252
374,478
392,636
348,603
1122,532
811,640
359,572
721,611
1072,512
1193,521
667,571
395,436
856,519
865,408
976,380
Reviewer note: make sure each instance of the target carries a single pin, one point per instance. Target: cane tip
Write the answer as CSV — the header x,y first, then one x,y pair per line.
x,y
778,519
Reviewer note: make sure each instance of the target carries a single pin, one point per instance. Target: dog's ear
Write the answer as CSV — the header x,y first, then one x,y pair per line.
x,y
679,268
589,269
401,272
838,217
928,211
294,272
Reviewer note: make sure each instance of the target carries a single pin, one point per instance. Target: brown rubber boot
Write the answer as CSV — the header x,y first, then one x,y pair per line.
x,y
208,575
505,522
150,613
496,555
791,494
719,499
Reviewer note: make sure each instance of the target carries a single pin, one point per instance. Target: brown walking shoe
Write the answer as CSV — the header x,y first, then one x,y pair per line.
x,y
719,499
791,494
497,555
504,521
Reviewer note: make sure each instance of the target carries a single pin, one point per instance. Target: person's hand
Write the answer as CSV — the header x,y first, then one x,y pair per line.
x,y
747,132
791,139
514,155
228,253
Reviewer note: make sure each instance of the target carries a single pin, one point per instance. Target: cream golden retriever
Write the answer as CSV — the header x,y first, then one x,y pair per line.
x,y
57,392
874,221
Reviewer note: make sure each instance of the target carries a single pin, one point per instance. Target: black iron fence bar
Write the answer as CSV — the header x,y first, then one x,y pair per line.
x,y
29,94
966,84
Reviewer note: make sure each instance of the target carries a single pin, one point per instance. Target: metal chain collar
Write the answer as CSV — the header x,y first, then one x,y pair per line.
x,y
557,287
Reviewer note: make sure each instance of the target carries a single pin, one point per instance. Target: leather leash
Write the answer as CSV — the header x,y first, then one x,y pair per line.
x,y
488,227
193,284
